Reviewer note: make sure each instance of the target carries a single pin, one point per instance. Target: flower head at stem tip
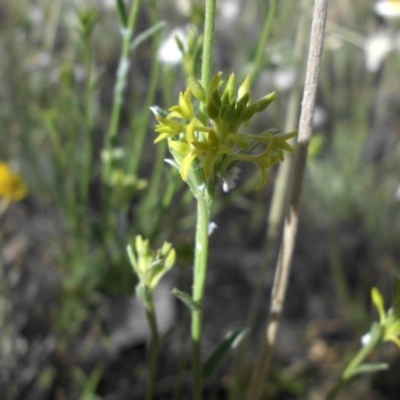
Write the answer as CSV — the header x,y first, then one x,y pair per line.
x,y
205,141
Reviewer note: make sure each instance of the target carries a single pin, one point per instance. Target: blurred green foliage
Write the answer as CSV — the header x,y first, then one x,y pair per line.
x,y
58,63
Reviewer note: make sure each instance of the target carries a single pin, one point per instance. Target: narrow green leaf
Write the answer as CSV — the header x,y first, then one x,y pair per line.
x,y
122,14
231,341
186,299
167,335
370,367
147,34
132,259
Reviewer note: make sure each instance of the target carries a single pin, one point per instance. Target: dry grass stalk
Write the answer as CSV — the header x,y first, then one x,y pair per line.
x,y
291,221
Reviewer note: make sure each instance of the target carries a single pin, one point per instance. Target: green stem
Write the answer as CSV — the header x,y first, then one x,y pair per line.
x,y
89,122
375,338
154,347
140,123
363,353
258,60
200,271
206,66
204,203
150,204
122,75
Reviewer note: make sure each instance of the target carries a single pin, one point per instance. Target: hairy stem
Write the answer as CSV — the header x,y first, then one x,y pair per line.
x,y
200,272
206,67
204,203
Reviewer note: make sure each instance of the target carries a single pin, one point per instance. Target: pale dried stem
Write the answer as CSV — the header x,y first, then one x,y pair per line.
x,y
291,221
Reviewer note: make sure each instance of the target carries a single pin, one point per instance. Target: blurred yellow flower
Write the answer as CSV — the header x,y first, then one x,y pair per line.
x,y
12,186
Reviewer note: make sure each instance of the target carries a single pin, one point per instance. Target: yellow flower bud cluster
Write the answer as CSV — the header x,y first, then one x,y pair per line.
x,y
389,321
208,135
149,265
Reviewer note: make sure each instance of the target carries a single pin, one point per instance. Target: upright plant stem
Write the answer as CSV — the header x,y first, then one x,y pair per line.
x,y
281,190
204,203
122,75
291,221
200,272
89,122
259,58
208,46
140,123
154,347
358,359
150,204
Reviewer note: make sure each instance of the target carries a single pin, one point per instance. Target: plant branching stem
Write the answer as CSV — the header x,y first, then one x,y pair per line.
x,y
200,272
122,74
358,359
291,222
204,203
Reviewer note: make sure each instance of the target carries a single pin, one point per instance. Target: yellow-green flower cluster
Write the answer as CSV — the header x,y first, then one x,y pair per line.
x,y
12,186
388,321
208,137
149,265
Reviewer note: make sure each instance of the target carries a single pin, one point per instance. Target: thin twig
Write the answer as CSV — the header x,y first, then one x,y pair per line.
x,y
291,221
